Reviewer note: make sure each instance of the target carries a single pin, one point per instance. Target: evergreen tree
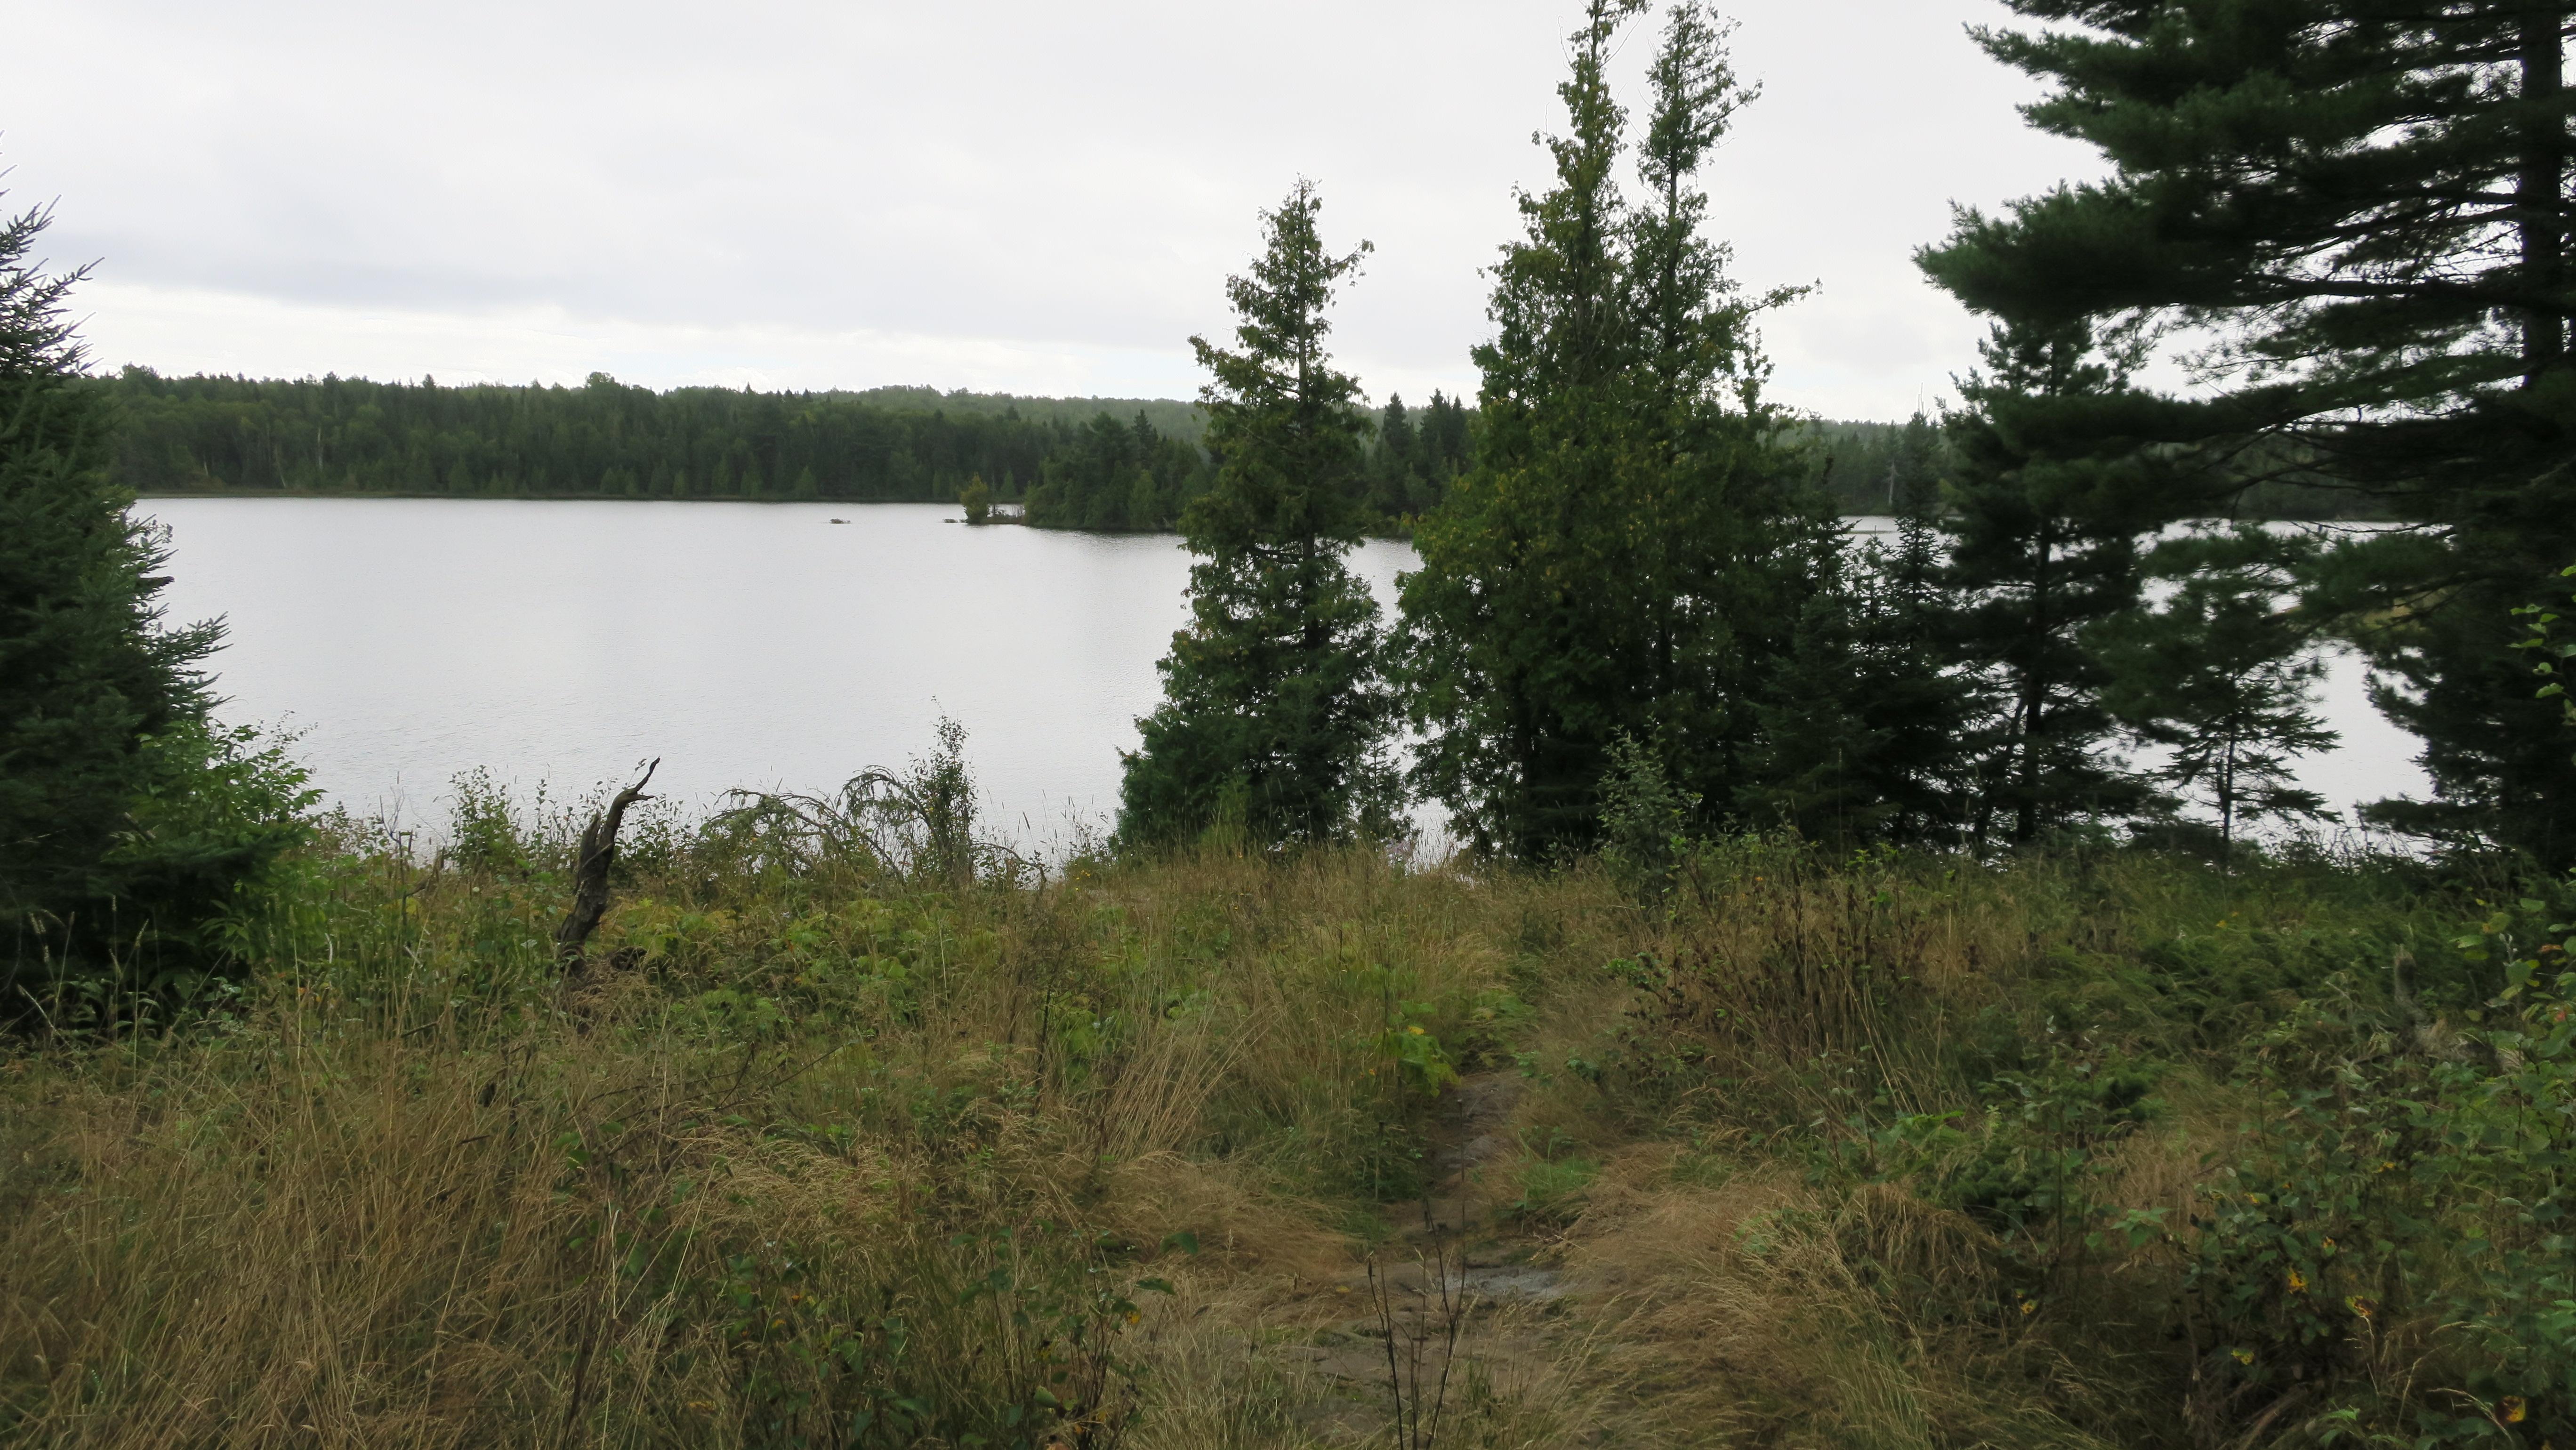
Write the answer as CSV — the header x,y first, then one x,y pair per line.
x,y
1739,555
1909,628
1114,476
1396,466
1510,670
2366,203
2043,527
1442,443
1418,452
1869,734
128,826
1628,555
1274,717
2222,676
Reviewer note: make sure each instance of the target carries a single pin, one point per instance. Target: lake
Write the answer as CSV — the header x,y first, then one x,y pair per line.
x,y
758,645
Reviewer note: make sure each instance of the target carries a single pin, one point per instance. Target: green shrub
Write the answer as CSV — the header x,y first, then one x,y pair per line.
x,y
2392,1245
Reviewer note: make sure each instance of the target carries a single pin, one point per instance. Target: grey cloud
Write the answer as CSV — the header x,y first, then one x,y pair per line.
x,y
1075,178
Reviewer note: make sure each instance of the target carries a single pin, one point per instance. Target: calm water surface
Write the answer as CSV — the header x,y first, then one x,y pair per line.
x,y
745,644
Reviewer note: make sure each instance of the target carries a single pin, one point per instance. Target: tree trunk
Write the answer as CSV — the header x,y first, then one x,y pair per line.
x,y
598,852
2542,193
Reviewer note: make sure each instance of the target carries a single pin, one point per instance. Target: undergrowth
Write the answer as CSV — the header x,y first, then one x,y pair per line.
x,y
847,1139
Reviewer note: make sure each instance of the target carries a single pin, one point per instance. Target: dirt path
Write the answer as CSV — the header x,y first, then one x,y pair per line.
x,y
1451,1282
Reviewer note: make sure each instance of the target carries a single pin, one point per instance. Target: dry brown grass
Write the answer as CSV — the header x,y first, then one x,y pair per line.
x,y
377,1211
417,1192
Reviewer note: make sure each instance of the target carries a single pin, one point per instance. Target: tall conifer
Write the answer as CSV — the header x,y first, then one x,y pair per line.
x,y
127,825
1274,716
2365,205
1509,665
2043,523
1627,556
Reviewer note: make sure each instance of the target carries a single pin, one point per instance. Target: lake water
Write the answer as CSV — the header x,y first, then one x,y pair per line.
x,y
758,645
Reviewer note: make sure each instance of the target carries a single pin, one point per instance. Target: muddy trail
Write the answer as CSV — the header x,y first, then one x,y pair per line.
x,y
1453,1299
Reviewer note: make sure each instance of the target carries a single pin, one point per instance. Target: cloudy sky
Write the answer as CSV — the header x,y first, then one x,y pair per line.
x,y
1036,198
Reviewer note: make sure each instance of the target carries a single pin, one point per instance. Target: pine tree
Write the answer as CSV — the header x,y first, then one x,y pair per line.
x,y
1627,556
2222,676
2366,204
1274,717
2043,527
1510,669
1739,555
1396,463
127,824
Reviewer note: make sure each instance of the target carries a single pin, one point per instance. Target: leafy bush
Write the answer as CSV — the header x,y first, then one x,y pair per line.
x,y
188,884
2391,1250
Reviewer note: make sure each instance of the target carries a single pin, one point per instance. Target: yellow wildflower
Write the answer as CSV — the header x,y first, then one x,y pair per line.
x,y
2298,1282
2243,1356
2513,1409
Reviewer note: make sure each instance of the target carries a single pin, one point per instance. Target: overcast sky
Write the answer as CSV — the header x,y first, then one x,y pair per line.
x,y
1013,196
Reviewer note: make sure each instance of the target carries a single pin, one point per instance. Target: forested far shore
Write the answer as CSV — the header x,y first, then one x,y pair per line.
x,y
1106,464
603,439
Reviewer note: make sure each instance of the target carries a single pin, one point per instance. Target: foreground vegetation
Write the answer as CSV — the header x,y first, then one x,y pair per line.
x,y
831,1141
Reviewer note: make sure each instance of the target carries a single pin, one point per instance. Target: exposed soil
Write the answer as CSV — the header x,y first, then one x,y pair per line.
x,y
1452,1283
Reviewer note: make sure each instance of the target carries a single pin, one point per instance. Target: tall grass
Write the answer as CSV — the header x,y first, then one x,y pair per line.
x,y
832,1145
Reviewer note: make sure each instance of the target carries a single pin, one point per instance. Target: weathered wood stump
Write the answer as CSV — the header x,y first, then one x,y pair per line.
x,y
597,853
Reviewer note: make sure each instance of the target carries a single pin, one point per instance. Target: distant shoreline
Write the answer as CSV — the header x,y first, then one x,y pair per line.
x,y
306,493
282,493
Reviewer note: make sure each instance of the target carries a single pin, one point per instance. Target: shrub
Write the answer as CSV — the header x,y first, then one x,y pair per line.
x,y
2390,1252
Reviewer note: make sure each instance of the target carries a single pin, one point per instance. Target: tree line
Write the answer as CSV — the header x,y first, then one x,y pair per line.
x,y
603,439
1134,476
1075,463
1638,616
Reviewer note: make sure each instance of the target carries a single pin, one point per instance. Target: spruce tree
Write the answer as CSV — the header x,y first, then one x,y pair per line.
x,y
2221,675
1396,463
2042,525
1869,734
128,826
1274,717
1506,661
1627,556
2363,207
1739,554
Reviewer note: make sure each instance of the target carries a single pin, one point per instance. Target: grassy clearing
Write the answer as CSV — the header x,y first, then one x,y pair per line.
x,y
1797,1152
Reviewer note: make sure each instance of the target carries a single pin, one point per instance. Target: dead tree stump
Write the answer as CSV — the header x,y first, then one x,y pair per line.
x,y
597,853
